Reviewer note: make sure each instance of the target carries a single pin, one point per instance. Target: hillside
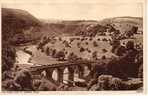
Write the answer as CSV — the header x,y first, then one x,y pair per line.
x,y
15,22
123,23
71,27
79,27
25,26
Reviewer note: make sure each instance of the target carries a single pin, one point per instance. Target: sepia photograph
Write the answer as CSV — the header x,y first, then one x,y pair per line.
x,y
72,46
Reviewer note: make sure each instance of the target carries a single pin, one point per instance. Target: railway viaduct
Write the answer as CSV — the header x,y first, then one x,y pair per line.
x,y
75,67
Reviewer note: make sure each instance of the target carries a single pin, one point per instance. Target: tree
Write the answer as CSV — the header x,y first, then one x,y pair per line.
x,y
130,45
104,50
82,49
131,32
95,44
134,29
72,57
94,55
60,55
115,44
90,38
86,43
131,52
8,56
120,51
98,39
78,44
47,51
60,39
54,52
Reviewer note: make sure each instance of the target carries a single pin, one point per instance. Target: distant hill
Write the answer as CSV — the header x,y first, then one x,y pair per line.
x,y
92,26
68,27
17,16
123,23
15,22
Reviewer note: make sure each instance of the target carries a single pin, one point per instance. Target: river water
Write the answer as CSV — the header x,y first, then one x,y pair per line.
x,y
22,57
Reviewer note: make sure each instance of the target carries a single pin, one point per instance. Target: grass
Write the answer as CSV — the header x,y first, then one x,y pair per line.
x,y
41,58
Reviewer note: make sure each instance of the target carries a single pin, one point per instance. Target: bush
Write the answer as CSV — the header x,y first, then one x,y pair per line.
x,y
104,50
78,44
104,39
108,82
24,80
82,49
72,57
115,44
45,85
54,51
47,51
86,43
90,39
130,45
95,44
60,55
120,51
60,39
94,55
103,57
98,39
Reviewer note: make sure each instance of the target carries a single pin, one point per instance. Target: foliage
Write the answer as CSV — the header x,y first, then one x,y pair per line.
x,y
60,55
72,57
95,44
82,49
94,55
8,56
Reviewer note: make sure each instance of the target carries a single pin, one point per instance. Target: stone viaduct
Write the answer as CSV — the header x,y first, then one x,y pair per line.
x,y
75,67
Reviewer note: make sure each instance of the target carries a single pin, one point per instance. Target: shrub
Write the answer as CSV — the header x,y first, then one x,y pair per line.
x,y
104,50
60,55
60,39
108,82
120,51
95,44
103,57
47,51
130,45
98,39
104,39
78,44
90,39
54,51
115,44
82,49
72,57
24,79
86,43
94,55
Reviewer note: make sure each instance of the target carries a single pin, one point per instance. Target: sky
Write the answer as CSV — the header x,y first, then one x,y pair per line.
x,y
80,11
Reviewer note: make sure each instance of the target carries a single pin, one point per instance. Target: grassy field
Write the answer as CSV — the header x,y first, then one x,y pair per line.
x,y
39,57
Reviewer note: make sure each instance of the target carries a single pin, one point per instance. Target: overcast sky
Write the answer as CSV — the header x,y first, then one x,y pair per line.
x,y
80,11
